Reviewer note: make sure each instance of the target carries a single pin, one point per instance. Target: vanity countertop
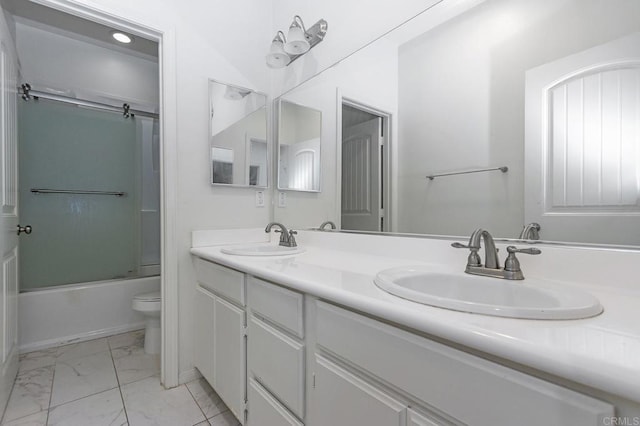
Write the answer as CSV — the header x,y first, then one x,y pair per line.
x,y
602,352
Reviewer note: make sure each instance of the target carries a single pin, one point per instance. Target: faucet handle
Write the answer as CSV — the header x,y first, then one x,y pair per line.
x,y
512,264
292,239
474,257
459,245
514,249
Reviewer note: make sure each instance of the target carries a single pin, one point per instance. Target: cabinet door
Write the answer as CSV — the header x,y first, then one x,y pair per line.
x,y
229,364
277,361
203,357
342,399
417,419
264,410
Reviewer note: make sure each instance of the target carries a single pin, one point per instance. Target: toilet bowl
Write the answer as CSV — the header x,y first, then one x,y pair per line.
x,y
148,304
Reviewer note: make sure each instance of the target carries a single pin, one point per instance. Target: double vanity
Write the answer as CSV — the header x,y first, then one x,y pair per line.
x,y
351,329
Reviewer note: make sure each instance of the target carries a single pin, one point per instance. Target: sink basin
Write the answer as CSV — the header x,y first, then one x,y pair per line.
x,y
262,250
529,298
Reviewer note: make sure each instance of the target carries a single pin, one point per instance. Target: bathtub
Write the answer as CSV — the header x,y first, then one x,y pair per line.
x,y
73,313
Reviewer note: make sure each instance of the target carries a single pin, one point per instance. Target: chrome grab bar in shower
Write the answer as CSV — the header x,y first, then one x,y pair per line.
x,y
503,169
76,191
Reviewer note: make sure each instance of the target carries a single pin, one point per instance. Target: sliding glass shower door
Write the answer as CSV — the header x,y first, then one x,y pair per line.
x,y
81,191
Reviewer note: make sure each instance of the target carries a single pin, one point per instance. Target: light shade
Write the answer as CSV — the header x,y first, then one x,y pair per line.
x,y
277,57
235,93
122,37
297,43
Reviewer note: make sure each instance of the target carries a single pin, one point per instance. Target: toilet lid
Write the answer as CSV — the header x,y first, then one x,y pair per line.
x,y
154,296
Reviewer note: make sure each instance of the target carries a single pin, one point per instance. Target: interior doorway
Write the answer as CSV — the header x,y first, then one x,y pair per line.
x,y
364,153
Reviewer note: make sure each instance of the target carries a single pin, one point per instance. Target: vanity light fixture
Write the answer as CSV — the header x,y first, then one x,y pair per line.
x,y
299,41
235,93
122,37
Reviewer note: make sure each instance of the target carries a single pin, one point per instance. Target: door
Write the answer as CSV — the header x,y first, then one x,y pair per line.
x,y
8,216
582,144
204,323
362,208
229,362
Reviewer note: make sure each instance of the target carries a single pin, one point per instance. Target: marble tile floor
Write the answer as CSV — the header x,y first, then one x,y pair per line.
x,y
107,381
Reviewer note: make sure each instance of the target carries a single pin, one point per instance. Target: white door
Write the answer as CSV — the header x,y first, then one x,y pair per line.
x,y
362,208
582,145
229,352
8,215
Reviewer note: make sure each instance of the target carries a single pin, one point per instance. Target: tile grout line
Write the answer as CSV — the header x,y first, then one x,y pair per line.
x,y
53,377
82,397
198,405
115,370
13,386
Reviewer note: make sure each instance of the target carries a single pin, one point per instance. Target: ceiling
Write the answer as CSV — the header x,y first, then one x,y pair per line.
x,y
63,23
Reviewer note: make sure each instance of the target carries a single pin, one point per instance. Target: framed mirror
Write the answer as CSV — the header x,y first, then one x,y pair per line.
x,y
523,112
299,133
239,152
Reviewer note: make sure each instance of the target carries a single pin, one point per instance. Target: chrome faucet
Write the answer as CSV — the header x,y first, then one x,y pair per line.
x,y
491,268
287,238
530,232
327,223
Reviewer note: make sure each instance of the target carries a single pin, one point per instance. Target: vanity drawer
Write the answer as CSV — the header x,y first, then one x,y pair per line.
x,y
279,305
265,410
468,388
342,398
277,362
221,280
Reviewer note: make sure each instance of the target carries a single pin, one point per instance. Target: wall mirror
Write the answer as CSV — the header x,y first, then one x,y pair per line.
x,y
299,132
521,112
238,136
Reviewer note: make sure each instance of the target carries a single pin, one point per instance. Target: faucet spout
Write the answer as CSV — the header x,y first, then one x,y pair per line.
x,y
279,225
327,223
490,253
530,232
287,238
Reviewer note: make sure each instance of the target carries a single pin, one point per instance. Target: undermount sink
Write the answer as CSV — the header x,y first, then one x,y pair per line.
x,y
262,250
529,298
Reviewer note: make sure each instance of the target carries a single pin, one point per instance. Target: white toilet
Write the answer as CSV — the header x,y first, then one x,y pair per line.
x,y
148,304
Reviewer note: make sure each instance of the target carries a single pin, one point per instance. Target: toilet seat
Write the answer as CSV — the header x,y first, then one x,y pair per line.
x,y
154,296
147,303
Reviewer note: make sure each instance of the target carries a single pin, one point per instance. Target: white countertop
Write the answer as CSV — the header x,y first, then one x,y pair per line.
x,y
602,352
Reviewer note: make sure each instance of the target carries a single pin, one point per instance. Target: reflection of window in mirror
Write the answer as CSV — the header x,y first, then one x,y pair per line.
x,y
222,165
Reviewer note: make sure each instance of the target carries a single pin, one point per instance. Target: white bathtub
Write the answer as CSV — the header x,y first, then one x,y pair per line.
x,y
73,313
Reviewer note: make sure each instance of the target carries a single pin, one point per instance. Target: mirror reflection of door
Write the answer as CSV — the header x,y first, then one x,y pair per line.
x,y
364,145
582,152
299,142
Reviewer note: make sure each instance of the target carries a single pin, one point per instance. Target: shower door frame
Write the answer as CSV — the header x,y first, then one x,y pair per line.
x,y
164,34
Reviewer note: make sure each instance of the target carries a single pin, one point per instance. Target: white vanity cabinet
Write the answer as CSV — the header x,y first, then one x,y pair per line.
x,y
220,332
275,355
450,383
278,357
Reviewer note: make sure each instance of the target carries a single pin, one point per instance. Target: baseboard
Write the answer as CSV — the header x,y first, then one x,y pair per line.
x,y
61,341
188,376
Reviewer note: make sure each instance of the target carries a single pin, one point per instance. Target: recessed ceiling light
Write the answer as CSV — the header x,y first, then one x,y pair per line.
x,y
122,37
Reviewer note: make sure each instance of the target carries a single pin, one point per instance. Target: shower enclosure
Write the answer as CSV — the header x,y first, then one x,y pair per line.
x,y
90,190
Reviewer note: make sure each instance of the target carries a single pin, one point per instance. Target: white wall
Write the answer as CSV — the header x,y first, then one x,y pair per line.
x,y
461,100
213,39
351,25
364,78
55,61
